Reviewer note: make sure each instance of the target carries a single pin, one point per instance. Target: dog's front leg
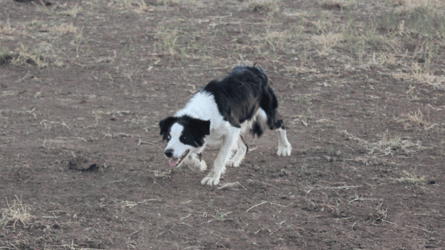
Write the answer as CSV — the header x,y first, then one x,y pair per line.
x,y
225,152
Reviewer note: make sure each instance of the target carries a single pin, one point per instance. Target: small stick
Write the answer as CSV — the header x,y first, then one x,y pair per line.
x,y
262,203
144,142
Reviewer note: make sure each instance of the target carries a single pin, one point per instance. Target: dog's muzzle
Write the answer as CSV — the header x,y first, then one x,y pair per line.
x,y
169,154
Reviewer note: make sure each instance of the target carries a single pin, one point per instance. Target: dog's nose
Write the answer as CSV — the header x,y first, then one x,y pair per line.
x,y
168,153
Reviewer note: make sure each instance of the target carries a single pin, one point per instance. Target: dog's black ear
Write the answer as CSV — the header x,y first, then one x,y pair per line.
x,y
165,124
201,126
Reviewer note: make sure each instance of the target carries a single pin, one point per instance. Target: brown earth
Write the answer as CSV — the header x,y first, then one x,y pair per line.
x,y
85,83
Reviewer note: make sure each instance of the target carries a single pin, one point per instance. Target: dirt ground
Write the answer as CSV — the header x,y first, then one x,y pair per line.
x,y
84,84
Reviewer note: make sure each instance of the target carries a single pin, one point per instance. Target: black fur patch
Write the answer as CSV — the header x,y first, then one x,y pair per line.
x,y
257,130
194,129
165,126
240,94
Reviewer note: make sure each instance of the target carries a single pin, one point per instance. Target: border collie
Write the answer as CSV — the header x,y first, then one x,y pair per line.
x,y
220,113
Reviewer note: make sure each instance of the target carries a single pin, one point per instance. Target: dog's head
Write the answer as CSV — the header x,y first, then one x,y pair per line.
x,y
185,135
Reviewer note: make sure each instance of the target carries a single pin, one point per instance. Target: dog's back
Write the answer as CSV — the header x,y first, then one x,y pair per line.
x,y
240,94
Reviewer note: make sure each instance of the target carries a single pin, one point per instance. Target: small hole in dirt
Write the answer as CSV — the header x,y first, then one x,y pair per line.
x,y
83,164
5,59
33,62
332,6
432,182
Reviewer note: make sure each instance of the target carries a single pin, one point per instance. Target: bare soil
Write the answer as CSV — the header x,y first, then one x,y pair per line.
x,y
83,85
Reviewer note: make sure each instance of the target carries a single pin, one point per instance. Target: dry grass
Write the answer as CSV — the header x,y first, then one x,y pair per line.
x,y
73,12
387,146
337,4
15,212
420,74
409,6
326,42
410,178
142,7
64,29
26,56
167,40
6,32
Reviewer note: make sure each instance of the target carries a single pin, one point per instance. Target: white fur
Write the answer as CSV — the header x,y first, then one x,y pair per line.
x,y
284,147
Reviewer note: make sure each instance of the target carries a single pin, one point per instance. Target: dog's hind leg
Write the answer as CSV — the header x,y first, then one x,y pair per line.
x,y
284,147
223,156
241,151
272,119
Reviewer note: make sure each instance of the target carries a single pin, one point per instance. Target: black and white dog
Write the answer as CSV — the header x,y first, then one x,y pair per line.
x,y
220,113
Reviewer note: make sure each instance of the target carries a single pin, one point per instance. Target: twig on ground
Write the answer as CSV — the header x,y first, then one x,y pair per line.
x,y
144,142
267,202
230,185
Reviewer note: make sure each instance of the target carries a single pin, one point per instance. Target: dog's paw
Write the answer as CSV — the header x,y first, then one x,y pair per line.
x,y
211,179
284,150
195,163
234,163
200,165
236,160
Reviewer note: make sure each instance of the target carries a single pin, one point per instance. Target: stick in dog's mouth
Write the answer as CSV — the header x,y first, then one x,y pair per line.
x,y
180,159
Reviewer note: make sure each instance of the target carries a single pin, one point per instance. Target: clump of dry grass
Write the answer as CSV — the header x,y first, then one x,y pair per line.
x,y
15,212
25,56
417,118
410,178
422,75
167,40
64,29
139,6
388,146
408,6
326,42
71,12
142,7
384,58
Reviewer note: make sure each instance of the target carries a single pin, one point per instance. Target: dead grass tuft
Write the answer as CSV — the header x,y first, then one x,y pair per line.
x,y
422,75
408,6
71,12
64,29
27,56
15,212
7,33
410,178
167,40
326,42
388,146
417,117
142,7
